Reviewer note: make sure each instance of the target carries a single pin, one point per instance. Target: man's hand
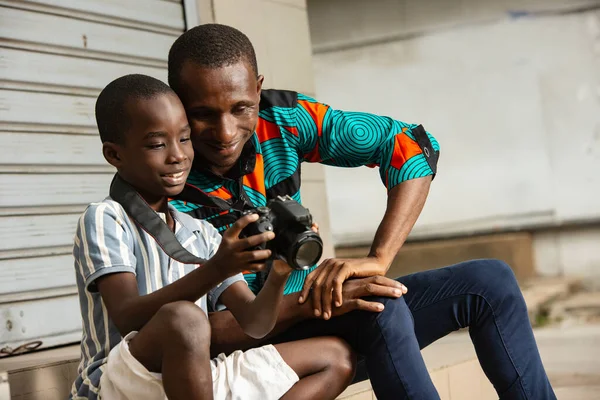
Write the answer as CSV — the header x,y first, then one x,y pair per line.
x,y
327,279
354,290
233,255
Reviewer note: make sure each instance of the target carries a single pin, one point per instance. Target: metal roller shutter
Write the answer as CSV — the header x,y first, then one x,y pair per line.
x,y
55,57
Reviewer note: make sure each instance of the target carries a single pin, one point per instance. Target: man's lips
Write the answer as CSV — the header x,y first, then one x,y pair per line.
x,y
224,150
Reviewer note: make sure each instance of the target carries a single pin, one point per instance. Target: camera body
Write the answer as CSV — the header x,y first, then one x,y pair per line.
x,y
295,242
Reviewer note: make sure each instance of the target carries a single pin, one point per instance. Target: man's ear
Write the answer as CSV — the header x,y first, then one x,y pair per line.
x,y
111,152
259,83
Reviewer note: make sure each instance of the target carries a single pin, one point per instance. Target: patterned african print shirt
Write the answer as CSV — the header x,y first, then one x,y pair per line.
x,y
294,128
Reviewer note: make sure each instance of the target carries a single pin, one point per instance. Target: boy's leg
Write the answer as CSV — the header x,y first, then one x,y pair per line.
x,y
325,366
176,343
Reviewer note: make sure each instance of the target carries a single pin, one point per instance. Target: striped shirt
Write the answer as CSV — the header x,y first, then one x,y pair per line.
x,y
108,242
293,128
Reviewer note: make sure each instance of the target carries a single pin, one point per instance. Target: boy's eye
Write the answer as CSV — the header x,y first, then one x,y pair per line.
x,y
185,139
154,146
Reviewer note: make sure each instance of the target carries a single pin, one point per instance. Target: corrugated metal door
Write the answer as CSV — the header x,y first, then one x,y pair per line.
x,y
55,57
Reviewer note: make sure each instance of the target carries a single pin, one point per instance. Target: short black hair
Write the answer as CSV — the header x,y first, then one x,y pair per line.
x,y
211,46
111,116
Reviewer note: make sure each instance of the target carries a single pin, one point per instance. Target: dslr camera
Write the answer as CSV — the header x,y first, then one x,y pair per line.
x,y
295,242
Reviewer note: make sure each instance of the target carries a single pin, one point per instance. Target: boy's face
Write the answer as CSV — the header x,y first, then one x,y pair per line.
x,y
157,152
222,107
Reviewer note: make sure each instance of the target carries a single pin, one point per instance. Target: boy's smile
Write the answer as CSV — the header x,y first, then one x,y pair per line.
x,y
156,154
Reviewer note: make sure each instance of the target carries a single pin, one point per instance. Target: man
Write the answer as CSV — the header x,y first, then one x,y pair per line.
x,y
249,146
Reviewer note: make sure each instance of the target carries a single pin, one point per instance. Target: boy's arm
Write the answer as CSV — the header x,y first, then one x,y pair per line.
x,y
106,263
257,315
227,335
130,312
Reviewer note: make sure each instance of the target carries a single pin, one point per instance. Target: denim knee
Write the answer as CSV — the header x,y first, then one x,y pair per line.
x,y
492,279
395,311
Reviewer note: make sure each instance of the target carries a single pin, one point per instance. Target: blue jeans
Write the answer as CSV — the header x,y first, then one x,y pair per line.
x,y
482,295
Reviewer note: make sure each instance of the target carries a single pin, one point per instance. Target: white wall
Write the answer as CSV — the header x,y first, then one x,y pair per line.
x,y
514,103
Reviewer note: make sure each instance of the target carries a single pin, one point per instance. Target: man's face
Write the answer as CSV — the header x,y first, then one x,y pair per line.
x,y
222,108
157,153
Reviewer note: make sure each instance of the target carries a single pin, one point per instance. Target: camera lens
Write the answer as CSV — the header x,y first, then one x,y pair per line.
x,y
308,253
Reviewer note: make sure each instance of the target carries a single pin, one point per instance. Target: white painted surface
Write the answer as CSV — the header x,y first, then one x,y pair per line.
x,y
160,13
45,108
66,72
50,149
515,105
55,57
54,321
36,273
571,252
33,190
23,26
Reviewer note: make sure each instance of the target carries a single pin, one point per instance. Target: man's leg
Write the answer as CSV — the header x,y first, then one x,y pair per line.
x,y
387,341
484,296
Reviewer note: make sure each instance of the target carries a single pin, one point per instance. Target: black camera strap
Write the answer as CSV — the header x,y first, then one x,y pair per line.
x,y
147,219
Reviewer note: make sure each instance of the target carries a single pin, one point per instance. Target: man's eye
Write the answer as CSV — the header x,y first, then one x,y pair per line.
x,y
241,109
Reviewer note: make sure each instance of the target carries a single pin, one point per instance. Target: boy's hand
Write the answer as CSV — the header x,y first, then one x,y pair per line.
x,y
281,268
233,255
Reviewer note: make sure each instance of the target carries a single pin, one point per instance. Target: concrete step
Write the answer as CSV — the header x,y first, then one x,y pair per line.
x,y
540,294
515,248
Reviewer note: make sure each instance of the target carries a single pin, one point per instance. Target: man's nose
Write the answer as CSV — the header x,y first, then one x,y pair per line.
x,y
226,129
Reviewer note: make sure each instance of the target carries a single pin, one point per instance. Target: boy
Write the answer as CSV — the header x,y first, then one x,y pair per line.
x,y
143,336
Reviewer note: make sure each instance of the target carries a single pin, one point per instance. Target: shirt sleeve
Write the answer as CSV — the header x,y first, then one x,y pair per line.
x,y
350,139
212,239
103,245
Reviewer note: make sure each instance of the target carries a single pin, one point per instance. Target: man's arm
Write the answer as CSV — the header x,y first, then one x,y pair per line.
x,y
404,205
228,336
406,156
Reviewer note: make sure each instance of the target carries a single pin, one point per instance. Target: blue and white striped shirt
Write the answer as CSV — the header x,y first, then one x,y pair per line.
x,y
108,242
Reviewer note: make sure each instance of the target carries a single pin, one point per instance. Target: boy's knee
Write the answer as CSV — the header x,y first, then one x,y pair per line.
x,y
185,321
343,358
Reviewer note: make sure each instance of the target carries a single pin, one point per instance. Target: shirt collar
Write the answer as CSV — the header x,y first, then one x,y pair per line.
x,y
185,226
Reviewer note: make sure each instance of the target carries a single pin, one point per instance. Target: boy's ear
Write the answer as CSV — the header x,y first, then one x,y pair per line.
x,y
111,152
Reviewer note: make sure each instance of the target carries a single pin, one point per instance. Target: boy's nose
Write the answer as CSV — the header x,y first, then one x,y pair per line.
x,y
177,155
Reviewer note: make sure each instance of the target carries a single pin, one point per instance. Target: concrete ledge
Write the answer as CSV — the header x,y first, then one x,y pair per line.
x,y
514,248
48,375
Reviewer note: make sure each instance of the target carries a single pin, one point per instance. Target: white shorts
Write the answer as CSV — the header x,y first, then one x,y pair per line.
x,y
256,374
